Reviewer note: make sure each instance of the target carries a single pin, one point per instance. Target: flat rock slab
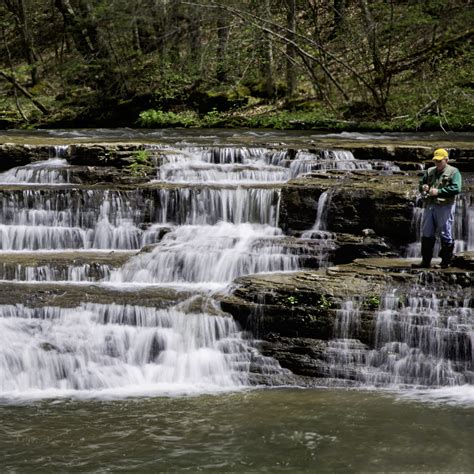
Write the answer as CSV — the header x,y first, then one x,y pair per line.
x,y
114,259
34,295
304,304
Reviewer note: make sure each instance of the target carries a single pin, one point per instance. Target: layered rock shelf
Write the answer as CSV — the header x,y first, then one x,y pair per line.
x,y
408,156
302,244
294,315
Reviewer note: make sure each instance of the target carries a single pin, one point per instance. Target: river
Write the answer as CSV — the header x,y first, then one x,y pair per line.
x,y
259,430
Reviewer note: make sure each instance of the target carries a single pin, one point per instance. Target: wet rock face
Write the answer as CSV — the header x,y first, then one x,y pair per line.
x,y
302,304
119,155
303,356
356,201
295,315
13,155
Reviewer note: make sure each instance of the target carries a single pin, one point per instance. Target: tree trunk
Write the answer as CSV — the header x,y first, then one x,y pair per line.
x,y
18,9
268,67
18,86
339,6
83,29
290,48
222,39
194,35
380,80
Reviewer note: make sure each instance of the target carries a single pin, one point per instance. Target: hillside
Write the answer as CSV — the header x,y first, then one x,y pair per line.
x,y
301,64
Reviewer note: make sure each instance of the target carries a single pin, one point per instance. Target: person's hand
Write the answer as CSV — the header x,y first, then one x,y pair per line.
x,y
433,191
425,188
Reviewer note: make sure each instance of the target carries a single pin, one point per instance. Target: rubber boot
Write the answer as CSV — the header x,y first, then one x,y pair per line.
x,y
446,254
427,246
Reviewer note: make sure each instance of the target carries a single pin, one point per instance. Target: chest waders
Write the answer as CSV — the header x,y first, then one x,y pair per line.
x,y
441,209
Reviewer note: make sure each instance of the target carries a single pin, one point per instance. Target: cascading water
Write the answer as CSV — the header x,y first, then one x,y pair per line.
x,y
109,347
212,216
209,217
419,340
53,171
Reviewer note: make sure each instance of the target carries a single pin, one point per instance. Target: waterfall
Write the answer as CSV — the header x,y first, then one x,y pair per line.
x,y
419,340
51,219
325,160
52,172
321,215
108,347
318,231
210,216
212,254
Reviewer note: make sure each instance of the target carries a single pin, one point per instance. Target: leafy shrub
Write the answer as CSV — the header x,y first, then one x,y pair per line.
x,y
157,119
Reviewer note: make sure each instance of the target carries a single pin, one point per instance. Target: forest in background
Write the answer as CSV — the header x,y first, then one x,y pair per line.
x,y
321,64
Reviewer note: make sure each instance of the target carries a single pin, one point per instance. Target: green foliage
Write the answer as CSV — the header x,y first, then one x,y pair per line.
x,y
212,119
142,164
160,61
324,303
372,302
292,300
157,118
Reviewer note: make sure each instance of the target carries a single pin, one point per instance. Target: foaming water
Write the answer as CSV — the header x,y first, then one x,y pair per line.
x,y
462,395
53,171
419,341
95,349
214,254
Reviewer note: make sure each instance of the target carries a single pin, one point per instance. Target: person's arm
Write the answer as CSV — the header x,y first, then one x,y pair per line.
x,y
423,181
453,187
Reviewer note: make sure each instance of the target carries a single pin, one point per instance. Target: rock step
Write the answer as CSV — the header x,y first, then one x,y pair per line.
x,y
123,154
71,295
60,266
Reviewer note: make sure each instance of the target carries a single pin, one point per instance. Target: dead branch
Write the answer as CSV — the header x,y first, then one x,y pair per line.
x,y
18,86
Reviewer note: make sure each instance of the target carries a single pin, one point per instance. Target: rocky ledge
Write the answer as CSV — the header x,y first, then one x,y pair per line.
x,y
294,315
408,156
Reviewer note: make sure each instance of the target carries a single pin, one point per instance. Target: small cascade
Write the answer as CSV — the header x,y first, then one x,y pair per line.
x,y
210,254
220,165
321,216
83,272
319,233
207,206
325,160
55,171
109,347
52,172
255,165
419,340
44,219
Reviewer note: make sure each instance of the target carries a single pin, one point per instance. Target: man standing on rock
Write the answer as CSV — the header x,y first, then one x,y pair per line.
x,y
439,185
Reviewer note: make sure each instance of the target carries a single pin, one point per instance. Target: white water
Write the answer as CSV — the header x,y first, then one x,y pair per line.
x,y
220,212
53,171
212,254
321,218
96,347
72,272
254,165
422,341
